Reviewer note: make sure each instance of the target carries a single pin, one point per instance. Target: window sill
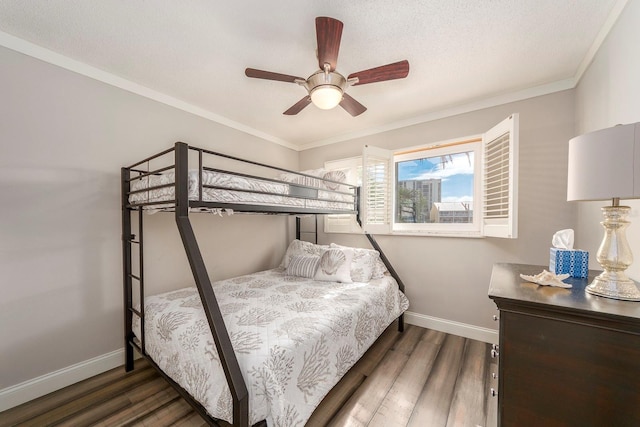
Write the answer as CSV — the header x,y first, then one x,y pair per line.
x,y
462,234
467,234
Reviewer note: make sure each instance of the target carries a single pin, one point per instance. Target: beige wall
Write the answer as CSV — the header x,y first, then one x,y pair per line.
x,y
63,139
609,94
448,278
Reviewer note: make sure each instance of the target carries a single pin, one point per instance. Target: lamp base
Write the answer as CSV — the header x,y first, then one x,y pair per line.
x,y
614,285
614,255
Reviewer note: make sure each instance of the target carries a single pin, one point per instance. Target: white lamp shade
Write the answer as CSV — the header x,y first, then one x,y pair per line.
x,y
326,97
605,164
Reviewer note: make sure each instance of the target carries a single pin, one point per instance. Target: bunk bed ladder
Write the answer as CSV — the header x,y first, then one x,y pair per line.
x,y
128,240
228,359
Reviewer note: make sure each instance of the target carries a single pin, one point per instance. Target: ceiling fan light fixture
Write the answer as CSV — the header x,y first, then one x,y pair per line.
x,y
326,89
326,97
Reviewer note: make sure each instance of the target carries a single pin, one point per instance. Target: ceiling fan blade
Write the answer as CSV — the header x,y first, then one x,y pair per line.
x,y
352,106
397,70
268,75
298,106
328,33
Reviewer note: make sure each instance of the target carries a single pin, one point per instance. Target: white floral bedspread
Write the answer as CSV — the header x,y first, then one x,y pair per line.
x,y
235,189
294,339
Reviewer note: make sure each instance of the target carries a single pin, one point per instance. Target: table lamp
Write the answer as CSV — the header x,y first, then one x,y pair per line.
x,y
605,165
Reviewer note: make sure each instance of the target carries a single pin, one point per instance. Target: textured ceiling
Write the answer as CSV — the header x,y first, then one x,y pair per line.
x,y
195,52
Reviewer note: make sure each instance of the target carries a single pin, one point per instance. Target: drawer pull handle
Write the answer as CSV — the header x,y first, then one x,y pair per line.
x,y
494,354
494,393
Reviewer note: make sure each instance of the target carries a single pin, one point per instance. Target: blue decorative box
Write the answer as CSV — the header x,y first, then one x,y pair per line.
x,y
574,262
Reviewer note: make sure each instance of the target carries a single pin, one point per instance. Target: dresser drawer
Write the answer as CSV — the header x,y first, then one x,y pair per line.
x,y
562,373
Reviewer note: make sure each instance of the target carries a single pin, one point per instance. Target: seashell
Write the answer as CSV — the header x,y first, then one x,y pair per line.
x,y
334,176
548,279
332,260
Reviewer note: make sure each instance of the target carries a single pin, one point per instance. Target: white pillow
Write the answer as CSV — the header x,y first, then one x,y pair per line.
x,y
303,266
335,266
379,270
299,247
365,264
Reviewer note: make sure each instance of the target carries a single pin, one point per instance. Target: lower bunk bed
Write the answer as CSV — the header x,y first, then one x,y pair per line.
x,y
294,335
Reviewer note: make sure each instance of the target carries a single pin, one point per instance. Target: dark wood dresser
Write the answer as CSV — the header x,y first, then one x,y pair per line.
x,y
565,357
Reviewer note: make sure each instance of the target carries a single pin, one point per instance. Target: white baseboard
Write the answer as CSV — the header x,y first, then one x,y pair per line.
x,y
45,384
451,327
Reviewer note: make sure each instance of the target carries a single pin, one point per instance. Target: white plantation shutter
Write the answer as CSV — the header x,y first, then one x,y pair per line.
x,y
500,198
341,223
377,178
344,223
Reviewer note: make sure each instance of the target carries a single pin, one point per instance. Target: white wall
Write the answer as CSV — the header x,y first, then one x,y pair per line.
x,y
609,94
63,139
448,278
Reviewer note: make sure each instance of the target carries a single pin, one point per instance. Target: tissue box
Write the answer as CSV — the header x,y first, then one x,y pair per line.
x,y
574,262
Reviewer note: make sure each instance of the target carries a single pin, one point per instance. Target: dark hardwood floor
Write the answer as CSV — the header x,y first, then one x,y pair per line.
x,y
419,378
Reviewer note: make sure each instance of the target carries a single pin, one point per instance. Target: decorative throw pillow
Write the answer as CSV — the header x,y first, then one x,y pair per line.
x,y
363,264
334,175
303,266
300,247
379,270
335,266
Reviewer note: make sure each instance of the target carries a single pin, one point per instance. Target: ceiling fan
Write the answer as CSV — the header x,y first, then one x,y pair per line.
x,y
326,87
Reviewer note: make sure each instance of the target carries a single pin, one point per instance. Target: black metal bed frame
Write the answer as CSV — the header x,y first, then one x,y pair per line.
x,y
181,206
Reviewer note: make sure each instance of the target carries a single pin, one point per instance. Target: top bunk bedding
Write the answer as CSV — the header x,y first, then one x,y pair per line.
x,y
211,188
234,189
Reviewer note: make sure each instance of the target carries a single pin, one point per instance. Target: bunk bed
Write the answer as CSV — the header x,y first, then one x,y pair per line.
x,y
249,335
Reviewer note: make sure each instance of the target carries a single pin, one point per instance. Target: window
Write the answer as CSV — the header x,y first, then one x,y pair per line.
x,y
436,188
464,187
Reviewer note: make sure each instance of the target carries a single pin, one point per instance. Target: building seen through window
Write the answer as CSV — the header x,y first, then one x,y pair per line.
x,y
435,189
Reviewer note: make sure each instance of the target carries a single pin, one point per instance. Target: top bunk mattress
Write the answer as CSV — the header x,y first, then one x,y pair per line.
x,y
294,339
243,190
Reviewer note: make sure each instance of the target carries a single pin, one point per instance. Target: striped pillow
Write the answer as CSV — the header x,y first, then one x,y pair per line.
x,y
303,266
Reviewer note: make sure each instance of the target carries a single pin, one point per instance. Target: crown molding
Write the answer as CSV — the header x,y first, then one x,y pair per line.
x,y
480,104
51,57
615,13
